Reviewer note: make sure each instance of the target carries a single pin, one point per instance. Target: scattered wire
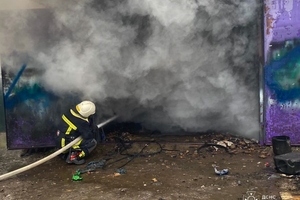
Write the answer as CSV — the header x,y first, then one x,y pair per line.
x,y
123,144
92,166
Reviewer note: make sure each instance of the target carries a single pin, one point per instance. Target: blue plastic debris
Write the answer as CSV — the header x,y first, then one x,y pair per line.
x,y
220,172
121,171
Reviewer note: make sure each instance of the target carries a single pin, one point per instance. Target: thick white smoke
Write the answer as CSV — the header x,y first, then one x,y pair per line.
x,y
171,65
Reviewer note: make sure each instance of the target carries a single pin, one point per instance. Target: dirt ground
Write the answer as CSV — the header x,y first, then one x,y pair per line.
x,y
158,168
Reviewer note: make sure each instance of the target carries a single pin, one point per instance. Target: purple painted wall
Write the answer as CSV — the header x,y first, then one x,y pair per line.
x,y
30,112
282,69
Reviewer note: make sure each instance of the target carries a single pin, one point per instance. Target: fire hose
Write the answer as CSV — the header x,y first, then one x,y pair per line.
x,y
39,162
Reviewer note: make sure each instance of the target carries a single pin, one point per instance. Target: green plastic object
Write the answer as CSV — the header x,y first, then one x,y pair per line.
x,y
76,176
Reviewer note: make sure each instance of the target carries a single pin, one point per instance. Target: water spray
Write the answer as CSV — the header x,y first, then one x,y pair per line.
x,y
20,170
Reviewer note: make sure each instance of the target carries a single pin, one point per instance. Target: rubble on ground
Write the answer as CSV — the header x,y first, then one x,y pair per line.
x,y
215,143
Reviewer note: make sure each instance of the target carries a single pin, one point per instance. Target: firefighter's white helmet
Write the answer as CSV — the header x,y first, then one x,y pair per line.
x,y
86,108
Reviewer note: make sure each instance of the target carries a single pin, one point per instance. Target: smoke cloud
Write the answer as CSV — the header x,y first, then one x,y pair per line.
x,y
172,65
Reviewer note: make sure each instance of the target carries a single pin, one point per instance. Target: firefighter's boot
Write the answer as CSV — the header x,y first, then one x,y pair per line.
x,y
74,158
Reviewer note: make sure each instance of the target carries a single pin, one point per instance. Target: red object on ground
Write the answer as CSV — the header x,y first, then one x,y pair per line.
x,y
267,164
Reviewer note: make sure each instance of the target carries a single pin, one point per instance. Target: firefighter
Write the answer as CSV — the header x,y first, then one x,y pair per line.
x,y
77,122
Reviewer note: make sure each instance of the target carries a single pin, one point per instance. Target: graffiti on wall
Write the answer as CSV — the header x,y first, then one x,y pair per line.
x,y
30,111
282,69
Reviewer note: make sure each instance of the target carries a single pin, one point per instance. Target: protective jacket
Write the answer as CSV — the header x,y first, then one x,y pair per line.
x,y
77,122
73,126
